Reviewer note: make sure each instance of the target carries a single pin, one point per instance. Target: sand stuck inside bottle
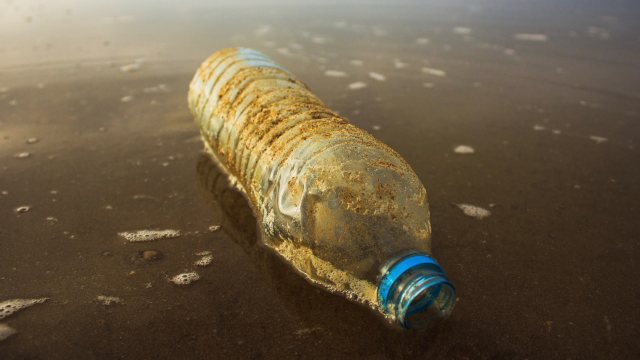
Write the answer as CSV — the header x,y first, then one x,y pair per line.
x,y
341,207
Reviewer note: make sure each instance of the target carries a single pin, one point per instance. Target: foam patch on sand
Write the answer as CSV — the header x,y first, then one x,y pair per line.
x,y
474,211
10,307
149,235
185,278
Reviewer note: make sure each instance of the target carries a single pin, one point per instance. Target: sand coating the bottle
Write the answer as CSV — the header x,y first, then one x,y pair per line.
x,y
335,202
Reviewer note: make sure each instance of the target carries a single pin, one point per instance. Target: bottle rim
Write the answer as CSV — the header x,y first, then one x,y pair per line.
x,y
389,281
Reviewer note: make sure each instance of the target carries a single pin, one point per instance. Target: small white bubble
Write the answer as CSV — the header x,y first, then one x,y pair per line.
x,y
214,228
320,40
131,67
156,89
357,85
598,139
434,72
474,211
185,278
205,261
531,37
262,30
356,62
596,32
376,127
378,77
22,209
126,98
108,300
22,155
335,73
464,149
460,30
538,128
399,64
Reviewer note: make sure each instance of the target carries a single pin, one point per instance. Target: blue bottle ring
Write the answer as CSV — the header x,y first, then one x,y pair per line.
x,y
412,266
386,283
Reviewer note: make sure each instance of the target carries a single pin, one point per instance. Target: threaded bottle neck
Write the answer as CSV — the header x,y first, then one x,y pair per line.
x,y
415,291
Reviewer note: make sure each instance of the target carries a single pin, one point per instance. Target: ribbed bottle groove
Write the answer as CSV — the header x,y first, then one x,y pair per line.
x,y
335,202
263,141
227,115
223,110
270,143
283,146
281,122
237,90
258,106
218,78
254,105
209,79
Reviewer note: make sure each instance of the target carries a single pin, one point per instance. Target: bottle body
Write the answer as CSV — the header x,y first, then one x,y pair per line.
x,y
335,202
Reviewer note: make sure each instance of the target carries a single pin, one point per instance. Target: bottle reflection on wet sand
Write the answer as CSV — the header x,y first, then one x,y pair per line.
x,y
324,315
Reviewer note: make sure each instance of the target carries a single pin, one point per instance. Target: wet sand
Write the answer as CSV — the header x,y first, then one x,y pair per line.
x,y
551,273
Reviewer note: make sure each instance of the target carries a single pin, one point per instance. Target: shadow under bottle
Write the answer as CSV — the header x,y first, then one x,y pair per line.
x,y
412,289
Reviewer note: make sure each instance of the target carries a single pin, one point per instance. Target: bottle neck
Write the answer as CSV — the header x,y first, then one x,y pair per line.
x,y
415,292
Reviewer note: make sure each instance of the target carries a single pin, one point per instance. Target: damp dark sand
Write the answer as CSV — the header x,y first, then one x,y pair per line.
x,y
554,123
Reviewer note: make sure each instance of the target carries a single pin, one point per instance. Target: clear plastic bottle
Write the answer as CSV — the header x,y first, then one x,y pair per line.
x,y
341,207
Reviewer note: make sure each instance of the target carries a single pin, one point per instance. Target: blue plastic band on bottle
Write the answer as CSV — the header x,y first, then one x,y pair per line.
x,y
397,270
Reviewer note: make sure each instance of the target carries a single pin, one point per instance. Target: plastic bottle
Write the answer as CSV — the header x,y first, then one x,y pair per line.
x,y
341,207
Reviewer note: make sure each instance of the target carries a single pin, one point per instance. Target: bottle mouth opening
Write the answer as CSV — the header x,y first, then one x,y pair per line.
x,y
426,303
416,292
